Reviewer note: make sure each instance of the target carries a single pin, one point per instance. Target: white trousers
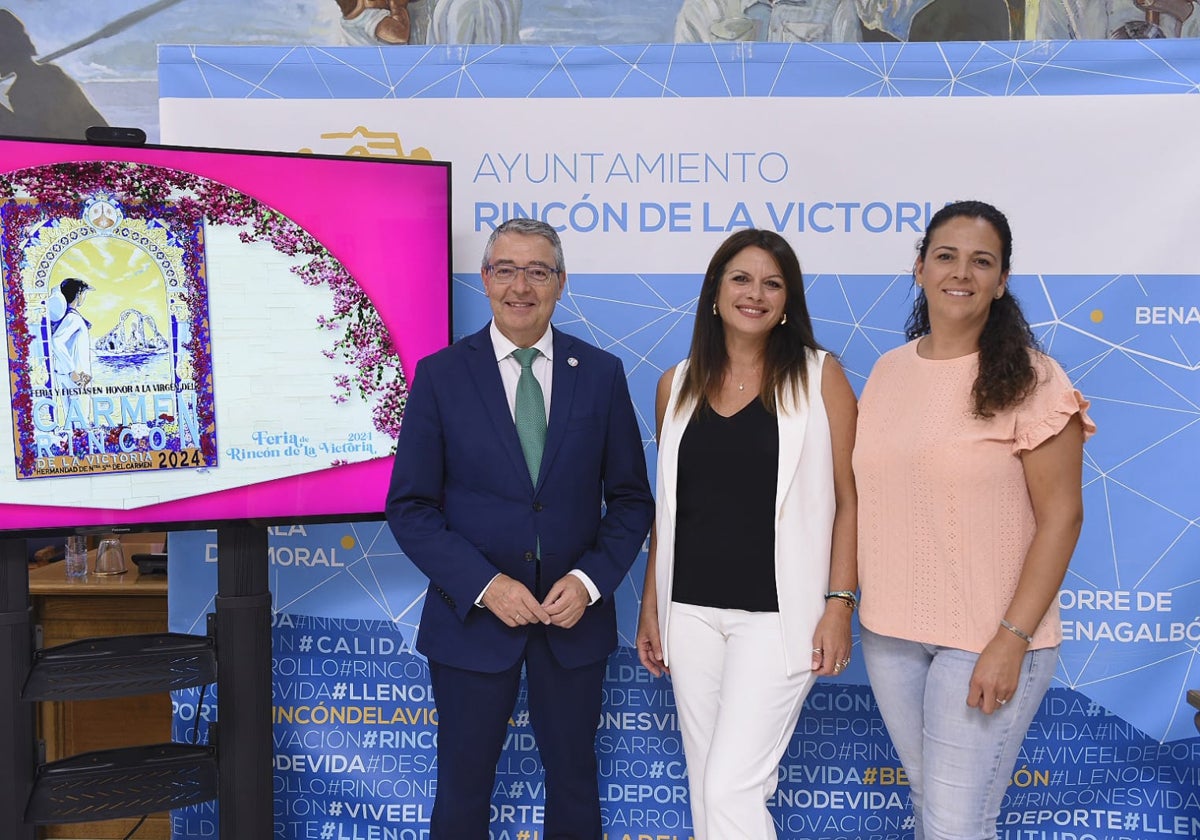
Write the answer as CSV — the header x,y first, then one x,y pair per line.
x,y
737,711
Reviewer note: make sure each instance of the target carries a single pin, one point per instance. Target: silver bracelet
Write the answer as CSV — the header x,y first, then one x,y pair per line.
x,y
1015,630
846,596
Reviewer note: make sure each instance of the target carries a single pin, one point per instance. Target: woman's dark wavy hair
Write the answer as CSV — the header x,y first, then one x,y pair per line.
x,y
785,359
1006,373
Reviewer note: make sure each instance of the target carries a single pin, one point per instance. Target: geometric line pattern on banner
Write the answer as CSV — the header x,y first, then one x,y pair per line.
x,y
1141,533
993,68
1140,538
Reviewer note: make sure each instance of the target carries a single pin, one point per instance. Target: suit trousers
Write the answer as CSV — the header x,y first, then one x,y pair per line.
x,y
738,708
473,713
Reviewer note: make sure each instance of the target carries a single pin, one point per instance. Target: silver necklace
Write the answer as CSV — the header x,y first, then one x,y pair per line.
x,y
742,384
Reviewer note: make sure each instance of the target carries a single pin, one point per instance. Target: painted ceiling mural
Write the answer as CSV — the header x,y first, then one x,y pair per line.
x,y
62,71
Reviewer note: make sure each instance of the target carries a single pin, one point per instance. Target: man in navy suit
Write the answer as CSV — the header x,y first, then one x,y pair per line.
x,y
509,528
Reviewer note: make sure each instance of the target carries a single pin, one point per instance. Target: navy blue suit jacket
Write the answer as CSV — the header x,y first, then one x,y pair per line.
x,y
463,507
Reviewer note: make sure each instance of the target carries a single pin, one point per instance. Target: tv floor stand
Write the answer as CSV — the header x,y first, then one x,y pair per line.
x,y
235,768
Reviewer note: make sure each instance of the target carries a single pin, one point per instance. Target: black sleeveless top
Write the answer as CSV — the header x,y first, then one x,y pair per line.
x,y
725,511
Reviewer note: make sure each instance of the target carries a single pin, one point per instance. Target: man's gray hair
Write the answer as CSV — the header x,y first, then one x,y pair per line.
x,y
526,227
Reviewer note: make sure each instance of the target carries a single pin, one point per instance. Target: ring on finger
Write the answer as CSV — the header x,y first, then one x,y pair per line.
x,y
1001,702
818,651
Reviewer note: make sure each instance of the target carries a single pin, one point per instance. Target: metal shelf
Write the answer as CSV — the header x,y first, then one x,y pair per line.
x,y
126,782
121,666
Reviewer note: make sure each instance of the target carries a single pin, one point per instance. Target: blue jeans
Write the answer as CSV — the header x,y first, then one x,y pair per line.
x,y
958,760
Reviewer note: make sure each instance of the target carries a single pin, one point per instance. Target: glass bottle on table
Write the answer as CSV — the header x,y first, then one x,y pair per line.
x,y
75,556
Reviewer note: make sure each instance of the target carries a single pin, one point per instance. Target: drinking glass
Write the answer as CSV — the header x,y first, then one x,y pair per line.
x,y
110,557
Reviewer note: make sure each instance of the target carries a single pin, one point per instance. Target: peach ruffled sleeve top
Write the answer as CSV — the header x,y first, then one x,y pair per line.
x,y
944,517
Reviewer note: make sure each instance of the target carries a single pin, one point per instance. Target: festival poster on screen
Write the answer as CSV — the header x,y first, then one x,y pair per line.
x,y
109,351
192,336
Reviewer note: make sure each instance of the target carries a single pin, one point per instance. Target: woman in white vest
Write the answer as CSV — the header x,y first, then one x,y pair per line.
x,y
751,579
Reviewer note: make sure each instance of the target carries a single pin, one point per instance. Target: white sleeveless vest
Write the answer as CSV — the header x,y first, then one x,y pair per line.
x,y
804,509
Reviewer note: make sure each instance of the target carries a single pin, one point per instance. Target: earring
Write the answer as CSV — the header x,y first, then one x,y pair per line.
x,y
714,307
783,320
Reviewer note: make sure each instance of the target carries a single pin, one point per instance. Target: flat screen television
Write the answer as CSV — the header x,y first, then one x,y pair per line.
x,y
197,336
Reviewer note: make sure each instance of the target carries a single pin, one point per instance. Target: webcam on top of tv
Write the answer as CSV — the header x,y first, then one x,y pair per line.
x,y
111,135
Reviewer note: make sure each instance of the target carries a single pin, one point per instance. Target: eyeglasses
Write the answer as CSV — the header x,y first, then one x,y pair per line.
x,y
535,273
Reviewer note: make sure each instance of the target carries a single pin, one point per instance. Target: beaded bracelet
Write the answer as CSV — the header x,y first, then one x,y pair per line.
x,y
845,596
1015,630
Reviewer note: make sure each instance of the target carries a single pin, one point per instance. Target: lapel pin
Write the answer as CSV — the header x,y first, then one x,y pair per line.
x,y
572,361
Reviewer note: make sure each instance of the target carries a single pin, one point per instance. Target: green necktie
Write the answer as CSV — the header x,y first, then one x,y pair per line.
x,y
530,411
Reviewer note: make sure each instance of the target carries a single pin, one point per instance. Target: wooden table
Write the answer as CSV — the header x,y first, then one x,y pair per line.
x,y
78,608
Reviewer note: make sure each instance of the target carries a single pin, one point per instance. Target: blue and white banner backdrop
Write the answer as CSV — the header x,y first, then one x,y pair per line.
x,y
646,157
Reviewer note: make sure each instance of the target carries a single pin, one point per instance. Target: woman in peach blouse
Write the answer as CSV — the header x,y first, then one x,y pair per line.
x,y
968,463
